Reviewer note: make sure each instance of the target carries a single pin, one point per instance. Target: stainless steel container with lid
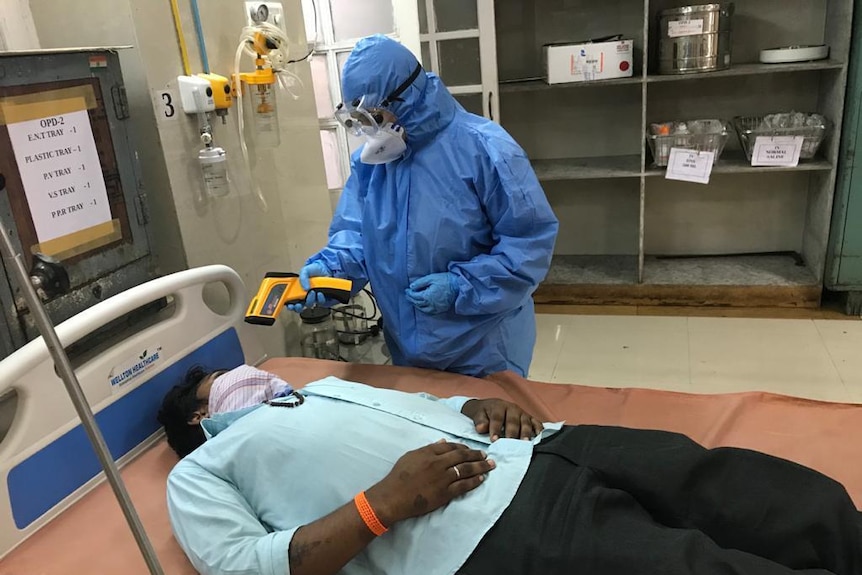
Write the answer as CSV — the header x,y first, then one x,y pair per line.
x,y
695,38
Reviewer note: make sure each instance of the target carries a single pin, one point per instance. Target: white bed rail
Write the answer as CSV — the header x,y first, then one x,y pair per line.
x,y
103,313
44,411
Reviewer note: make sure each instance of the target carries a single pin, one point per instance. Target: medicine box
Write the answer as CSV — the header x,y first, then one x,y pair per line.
x,y
588,61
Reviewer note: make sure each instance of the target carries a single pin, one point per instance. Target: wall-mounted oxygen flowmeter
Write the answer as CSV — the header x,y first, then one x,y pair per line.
x,y
201,95
264,39
258,12
222,93
217,92
264,106
188,86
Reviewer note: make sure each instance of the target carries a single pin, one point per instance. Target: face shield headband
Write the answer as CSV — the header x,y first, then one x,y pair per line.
x,y
360,119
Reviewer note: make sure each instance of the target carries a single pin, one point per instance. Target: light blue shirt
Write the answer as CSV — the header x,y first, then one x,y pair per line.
x,y
237,501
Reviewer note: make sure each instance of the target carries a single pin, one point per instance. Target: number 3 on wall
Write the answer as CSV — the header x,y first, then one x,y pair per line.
x,y
168,100
165,103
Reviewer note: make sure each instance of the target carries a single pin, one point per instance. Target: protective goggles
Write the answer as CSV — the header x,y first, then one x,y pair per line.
x,y
362,120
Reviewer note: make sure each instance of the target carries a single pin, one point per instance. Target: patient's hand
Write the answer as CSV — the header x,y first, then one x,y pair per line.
x,y
426,479
499,418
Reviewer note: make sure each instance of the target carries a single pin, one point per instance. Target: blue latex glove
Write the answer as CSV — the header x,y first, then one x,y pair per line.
x,y
312,270
433,294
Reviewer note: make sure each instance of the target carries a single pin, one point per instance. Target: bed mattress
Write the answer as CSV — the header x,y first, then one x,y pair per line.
x,y
92,537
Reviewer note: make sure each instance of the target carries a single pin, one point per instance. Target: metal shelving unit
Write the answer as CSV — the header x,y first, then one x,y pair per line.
x,y
588,168
751,70
735,162
540,85
627,234
535,84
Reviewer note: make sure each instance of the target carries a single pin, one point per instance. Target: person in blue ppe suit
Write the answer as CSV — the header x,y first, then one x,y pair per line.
x,y
443,214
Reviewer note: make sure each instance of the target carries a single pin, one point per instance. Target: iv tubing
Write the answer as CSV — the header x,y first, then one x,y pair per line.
x,y
184,52
202,45
241,124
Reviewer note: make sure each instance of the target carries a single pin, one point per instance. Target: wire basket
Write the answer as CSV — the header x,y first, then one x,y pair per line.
x,y
700,135
813,130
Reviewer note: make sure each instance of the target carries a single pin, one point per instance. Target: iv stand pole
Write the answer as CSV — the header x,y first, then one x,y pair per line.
x,y
67,374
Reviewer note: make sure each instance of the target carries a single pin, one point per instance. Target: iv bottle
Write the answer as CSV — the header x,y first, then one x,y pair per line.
x,y
214,169
265,115
319,339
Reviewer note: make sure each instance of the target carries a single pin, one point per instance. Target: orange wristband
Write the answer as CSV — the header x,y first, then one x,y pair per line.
x,y
368,515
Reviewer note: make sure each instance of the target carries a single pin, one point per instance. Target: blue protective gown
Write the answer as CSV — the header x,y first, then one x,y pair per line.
x,y
464,199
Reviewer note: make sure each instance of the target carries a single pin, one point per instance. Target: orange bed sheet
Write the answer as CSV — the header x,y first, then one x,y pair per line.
x,y
91,536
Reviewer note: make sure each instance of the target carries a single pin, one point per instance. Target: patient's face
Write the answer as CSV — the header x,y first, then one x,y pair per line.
x,y
203,391
203,396
201,413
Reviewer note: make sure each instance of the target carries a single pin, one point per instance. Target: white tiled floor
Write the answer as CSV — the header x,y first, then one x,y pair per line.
x,y
817,359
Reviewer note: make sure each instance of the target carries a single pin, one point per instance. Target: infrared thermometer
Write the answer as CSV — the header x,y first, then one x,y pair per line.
x,y
280,289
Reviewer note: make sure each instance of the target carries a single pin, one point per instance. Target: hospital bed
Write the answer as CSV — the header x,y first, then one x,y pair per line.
x,y
56,516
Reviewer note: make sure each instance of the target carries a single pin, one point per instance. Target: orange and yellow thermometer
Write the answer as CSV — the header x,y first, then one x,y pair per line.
x,y
280,289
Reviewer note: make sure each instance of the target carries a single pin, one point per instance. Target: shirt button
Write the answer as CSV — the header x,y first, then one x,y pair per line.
x,y
376,404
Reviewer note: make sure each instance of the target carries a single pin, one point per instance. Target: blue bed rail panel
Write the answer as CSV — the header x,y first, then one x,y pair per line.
x,y
50,475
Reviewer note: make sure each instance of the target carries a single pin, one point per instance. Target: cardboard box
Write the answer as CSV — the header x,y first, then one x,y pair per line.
x,y
587,61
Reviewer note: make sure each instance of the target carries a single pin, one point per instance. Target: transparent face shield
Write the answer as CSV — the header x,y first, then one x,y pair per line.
x,y
359,120
363,118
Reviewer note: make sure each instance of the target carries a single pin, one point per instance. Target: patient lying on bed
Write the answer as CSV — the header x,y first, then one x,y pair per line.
x,y
345,478
205,392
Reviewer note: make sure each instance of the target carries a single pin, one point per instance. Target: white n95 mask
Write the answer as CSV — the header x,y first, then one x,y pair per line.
x,y
377,124
385,145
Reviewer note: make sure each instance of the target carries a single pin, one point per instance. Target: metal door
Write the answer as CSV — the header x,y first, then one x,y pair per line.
x,y
120,257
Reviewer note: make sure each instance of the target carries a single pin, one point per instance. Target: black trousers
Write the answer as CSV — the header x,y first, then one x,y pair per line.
x,y
613,501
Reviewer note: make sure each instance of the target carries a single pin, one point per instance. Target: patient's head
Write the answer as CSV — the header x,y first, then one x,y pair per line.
x,y
183,408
